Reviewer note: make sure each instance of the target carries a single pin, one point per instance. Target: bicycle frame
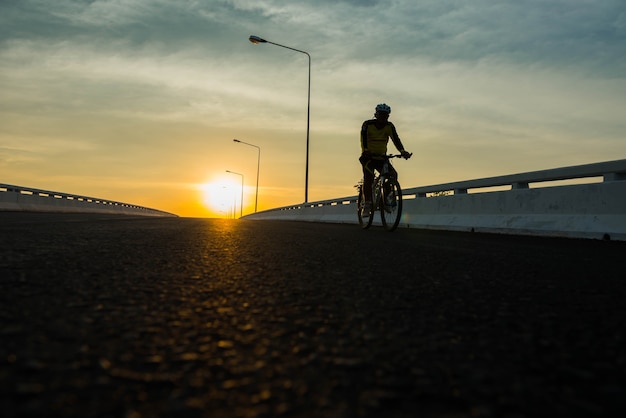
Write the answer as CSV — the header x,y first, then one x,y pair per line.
x,y
377,184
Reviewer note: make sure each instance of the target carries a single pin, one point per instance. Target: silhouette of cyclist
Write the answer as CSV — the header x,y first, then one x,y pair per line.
x,y
375,134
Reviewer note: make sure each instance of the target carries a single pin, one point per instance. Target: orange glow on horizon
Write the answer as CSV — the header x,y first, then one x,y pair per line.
x,y
221,197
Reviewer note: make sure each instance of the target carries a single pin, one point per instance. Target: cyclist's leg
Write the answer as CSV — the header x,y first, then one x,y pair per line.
x,y
368,177
392,172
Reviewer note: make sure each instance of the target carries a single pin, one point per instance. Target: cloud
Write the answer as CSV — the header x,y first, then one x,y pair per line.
x,y
590,36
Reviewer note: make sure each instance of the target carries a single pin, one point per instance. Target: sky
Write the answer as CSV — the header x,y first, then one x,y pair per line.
x,y
139,101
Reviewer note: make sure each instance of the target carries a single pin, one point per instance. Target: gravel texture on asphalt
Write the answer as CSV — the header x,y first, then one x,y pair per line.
x,y
105,316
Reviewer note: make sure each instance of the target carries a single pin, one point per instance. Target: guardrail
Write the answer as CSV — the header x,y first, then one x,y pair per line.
x,y
524,203
28,199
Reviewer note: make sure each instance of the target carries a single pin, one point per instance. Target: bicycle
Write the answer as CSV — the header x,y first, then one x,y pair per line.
x,y
386,198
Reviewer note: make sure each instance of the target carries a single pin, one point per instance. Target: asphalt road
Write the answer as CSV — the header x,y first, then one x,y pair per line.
x,y
104,316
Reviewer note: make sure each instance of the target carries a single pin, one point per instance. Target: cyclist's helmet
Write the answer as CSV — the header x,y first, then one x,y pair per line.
x,y
382,107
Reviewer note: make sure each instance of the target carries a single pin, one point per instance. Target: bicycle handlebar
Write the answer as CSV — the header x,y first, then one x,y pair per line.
x,y
389,156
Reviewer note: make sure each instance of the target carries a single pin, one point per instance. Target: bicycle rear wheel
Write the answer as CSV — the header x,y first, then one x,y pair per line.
x,y
391,204
364,221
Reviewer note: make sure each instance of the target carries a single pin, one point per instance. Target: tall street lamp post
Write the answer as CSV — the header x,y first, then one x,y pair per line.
x,y
258,165
258,40
241,202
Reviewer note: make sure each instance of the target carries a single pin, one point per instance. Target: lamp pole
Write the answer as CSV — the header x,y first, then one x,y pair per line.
x,y
258,40
258,165
241,202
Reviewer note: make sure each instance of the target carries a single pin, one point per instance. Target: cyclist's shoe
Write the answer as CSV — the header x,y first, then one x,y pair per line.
x,y
367,208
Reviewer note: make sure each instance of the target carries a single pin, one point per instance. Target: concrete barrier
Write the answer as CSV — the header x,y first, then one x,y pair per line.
x,y
26,199
526,206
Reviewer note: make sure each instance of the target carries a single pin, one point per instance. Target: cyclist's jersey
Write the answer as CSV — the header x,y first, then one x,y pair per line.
x,y
375,140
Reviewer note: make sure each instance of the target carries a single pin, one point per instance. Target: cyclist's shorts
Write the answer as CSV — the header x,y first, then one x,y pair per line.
x,y
371,164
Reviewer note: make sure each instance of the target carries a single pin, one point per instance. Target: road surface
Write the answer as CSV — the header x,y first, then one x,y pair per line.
x,y
112,316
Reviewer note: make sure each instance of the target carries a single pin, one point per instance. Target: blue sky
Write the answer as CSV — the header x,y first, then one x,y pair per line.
x,y
139,100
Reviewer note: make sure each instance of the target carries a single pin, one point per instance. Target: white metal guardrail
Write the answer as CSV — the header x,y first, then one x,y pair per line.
x,y
526,203
28,199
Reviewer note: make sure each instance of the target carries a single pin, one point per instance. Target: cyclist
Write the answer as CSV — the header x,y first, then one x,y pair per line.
x,y
375,134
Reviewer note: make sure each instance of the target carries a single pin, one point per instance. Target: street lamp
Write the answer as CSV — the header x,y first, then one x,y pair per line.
x,y
234,205
258,40
240,203
258,165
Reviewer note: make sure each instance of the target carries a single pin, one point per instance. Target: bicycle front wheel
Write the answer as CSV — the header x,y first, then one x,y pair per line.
x,y
391,204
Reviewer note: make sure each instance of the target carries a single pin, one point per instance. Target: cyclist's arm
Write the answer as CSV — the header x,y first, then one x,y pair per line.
x,y
364,137
395,138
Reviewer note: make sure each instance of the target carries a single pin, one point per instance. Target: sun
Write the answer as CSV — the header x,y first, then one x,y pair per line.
x,y
220,197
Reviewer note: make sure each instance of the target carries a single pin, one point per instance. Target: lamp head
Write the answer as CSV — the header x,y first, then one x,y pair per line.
x,y
256,39
236,140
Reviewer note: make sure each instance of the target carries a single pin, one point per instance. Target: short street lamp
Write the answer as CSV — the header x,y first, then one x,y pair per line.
x,y
241,202
258,40
258,164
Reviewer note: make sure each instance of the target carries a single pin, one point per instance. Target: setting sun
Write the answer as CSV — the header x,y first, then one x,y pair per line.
x,y
222,197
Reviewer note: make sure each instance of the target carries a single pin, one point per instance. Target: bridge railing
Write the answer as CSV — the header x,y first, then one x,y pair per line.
x,y
524,203
19,198
608,171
